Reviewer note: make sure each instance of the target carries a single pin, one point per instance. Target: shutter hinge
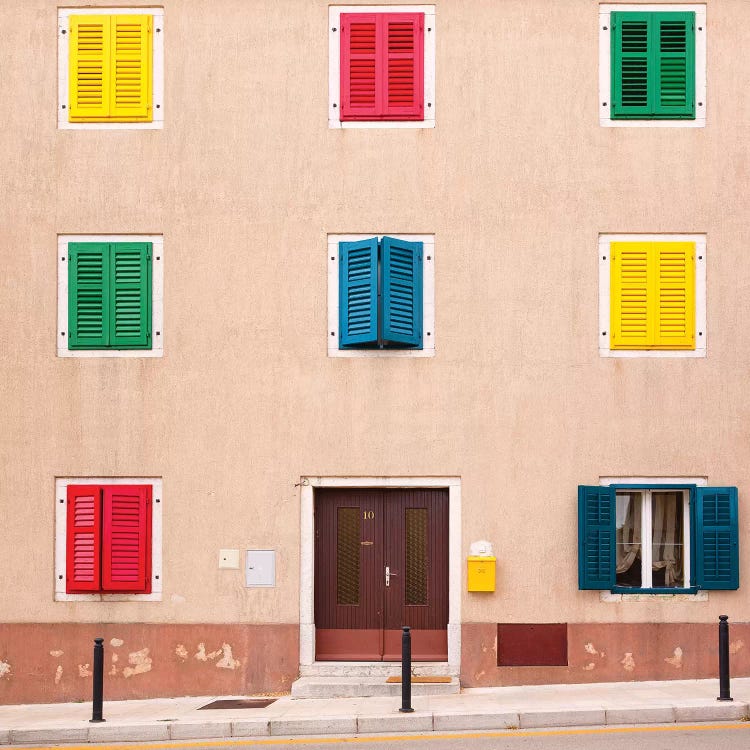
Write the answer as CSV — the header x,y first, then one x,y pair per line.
x,y
148,256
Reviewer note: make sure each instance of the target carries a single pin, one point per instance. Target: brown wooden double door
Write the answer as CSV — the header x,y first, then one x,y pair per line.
x,y
381,562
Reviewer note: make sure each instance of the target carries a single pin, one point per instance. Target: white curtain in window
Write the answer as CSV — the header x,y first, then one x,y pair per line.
x,y
629,531
665,554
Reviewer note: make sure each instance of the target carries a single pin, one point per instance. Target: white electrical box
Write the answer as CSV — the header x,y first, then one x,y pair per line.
x,y
260,568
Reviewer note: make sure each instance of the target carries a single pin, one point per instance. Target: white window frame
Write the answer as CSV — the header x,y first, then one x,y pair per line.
x,y
605,66
334,66
157,295
428,297
653,484
61,540
603,334
647,533
157,84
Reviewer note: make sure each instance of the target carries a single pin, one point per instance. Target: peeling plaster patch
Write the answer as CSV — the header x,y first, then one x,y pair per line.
x,y
4,669
590,666
181,652
116,642
676,660
628,662
214,654
200,654
56,653
736,646
83,670
113,671
58,674
479,676
590,648
140,661
227,661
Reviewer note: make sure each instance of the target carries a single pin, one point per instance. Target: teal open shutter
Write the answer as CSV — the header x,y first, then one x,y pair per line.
x,y
402,292
596,537
130,295
653,65
716,538
88,295
358,292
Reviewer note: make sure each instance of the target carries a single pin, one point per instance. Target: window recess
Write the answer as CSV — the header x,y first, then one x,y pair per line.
x,y
658,539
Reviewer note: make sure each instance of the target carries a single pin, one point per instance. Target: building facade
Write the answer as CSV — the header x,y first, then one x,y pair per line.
x,y
319,320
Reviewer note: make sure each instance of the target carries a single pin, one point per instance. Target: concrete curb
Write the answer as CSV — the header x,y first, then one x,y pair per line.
x,y
384,723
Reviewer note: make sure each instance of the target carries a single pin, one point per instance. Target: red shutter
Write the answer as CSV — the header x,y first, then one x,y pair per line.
x,y
404,53
382,66
83,552
360,94
126,544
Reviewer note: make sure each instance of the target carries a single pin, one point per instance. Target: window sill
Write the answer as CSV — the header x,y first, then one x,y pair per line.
x,y
645,596
155,596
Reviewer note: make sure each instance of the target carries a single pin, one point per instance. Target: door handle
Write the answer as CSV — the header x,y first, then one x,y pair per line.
x,y
387,576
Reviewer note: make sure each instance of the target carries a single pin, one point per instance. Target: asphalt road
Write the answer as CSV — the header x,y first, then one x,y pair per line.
x,y
671,737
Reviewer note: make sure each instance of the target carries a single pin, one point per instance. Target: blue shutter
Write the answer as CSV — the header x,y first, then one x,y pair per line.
x,y
402,292
596,537
358,293
716,538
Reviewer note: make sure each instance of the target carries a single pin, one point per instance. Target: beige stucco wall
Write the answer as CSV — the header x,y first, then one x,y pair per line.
x,y
246,180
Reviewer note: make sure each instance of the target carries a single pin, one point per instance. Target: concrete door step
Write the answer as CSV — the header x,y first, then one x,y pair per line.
x,y
366,687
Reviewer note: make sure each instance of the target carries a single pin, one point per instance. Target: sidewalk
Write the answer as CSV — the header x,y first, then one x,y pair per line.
x,y
522,707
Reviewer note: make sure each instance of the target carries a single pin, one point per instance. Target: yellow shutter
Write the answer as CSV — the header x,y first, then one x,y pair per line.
x,y
675,297
631,326
130,65
89,65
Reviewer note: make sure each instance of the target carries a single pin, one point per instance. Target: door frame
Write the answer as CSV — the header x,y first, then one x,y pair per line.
x,y
308,485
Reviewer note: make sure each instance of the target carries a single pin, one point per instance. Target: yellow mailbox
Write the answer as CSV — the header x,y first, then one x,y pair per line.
x,y
481,573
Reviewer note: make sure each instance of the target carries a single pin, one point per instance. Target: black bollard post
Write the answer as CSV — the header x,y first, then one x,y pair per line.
x,y
96,711
724,659
406,671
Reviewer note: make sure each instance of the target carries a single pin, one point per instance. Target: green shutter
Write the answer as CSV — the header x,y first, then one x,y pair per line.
x,y
716,538
130,295
653,65
596,537
88,295
674,65
631,43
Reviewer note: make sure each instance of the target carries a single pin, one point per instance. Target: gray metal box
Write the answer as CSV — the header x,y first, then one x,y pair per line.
x,y
260,568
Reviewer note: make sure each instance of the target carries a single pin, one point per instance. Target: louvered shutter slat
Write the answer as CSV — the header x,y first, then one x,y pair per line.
x,y
716,536
675,298
631,324
404,74
88,295
131,68
130,295
360,96
89,68
126,553
358,292
596,537
83,551
674,63
402,292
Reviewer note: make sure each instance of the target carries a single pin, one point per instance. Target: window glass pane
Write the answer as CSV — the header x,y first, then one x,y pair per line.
x,y
348,533
628,538
667,540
